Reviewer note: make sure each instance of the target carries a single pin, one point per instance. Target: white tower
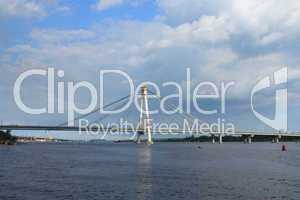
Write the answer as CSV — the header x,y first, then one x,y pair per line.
x,y
144,121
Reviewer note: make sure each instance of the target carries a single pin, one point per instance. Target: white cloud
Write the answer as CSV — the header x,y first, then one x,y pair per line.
x,y
265,16
60,36
106,4
180,11
206,30
269,18
270,38
21,8
203,45
158,51
63,9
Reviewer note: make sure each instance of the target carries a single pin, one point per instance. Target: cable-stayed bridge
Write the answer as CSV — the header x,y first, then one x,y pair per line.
x,y
145,126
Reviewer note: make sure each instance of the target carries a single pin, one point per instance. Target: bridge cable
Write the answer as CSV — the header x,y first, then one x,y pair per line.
x,y
96,110
187,115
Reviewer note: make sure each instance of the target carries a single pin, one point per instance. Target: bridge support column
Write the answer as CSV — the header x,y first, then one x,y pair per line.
x,y
220,139
277,139
248,139
213,140
145,121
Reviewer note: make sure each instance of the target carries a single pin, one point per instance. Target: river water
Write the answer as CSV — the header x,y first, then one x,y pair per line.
x,y
163,171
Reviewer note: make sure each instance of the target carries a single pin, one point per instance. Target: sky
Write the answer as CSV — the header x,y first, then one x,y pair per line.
x,y
152,40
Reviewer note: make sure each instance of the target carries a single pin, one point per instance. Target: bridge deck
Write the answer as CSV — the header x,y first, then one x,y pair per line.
x,y
105,129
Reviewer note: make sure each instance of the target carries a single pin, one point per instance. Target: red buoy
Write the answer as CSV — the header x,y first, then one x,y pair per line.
x,y
283,148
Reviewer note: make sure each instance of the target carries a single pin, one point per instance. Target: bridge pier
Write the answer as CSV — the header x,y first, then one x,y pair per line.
x,y
213,140
145,121
248,139
276,139
220,139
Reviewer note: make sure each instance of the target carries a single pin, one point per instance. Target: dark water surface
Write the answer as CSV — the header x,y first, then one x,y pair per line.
x,y
162,171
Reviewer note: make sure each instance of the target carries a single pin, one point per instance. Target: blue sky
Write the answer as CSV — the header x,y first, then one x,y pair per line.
x,y
154,40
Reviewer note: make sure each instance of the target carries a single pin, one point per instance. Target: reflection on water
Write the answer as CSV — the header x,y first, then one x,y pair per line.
x,y
144,173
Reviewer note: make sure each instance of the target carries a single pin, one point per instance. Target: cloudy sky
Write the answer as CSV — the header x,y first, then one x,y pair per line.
x,y
154,40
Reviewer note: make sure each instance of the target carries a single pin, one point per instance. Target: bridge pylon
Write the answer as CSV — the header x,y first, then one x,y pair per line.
x,y
145,124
